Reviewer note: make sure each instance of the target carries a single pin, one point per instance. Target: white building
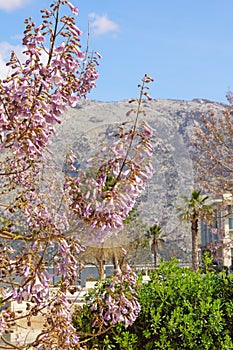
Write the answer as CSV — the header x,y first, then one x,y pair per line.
x,y
218,237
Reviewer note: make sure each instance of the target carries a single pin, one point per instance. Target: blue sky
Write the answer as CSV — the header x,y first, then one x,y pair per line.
x,y
185,45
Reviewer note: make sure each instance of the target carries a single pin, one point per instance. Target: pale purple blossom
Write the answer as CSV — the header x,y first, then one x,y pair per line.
x,y
73,8
41,207
118,302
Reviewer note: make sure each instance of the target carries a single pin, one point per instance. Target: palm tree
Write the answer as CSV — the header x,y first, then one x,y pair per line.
x,y
195,209
155,232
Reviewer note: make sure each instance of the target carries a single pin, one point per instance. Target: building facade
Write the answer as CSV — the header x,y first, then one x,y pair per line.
x,y
217,238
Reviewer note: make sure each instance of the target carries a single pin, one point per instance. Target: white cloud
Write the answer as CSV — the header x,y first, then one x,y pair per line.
x,y
6,49
5,53
10,5
102,24
4,70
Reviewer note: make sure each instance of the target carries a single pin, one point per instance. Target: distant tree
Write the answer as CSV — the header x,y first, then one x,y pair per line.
x,y
99,256
195,209
213,142
122,247
155,233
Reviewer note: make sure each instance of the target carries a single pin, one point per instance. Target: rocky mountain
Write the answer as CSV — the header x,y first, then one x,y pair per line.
x,y
92,122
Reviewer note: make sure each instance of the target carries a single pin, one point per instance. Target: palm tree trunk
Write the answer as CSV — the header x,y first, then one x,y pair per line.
x,y
155,259
195,258
154,252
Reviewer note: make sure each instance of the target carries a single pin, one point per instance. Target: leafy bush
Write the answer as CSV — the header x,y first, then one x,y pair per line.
x,y
180,309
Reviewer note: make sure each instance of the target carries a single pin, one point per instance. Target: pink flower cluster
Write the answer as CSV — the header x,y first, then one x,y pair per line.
x,y
55,75
68,264
38,209
59,332
36,291
38,91
115,300
104,194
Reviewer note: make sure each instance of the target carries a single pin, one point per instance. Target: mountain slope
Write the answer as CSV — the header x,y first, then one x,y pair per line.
x,y
86,126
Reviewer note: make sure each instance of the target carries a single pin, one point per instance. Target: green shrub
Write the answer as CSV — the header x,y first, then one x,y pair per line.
x,y
185,310
180,309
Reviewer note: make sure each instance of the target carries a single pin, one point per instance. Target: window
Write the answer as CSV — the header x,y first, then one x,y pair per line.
x,y
215,219
230,217
231,259
231,223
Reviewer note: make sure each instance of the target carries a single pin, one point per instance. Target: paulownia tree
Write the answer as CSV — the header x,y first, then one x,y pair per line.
x,y
213,140
41,216
213,159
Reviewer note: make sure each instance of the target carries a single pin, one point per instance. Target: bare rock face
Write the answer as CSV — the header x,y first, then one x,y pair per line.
x,y
87,125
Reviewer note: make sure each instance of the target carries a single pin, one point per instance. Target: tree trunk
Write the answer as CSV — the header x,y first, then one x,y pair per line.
x,y
155,259
114,261
154,252
118,260
195,258
100,262
100,267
